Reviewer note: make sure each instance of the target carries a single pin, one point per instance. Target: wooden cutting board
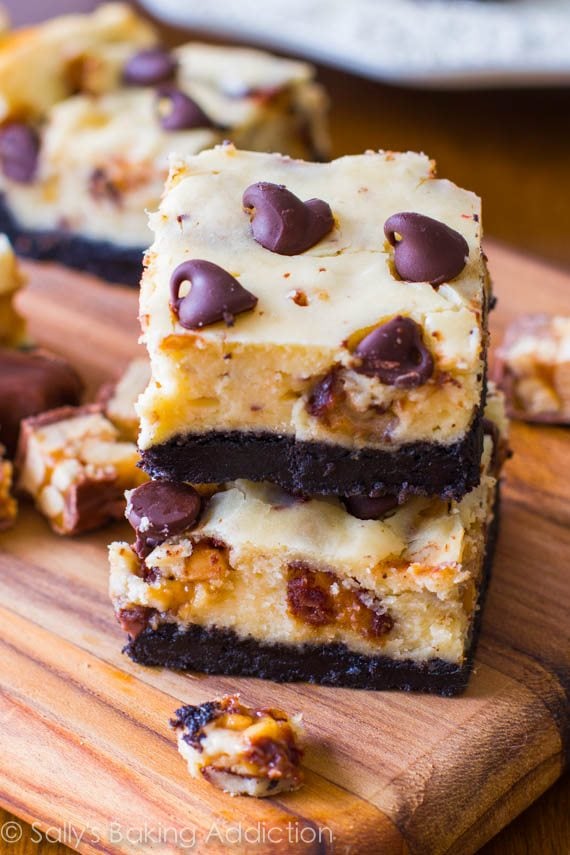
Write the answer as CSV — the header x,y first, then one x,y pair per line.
x,y
86,746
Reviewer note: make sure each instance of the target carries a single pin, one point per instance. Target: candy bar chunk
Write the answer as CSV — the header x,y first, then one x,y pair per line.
x,y
360,592
119,399
32,382
533,367
245,751
73,465
8,504
84,147
12,325
322,326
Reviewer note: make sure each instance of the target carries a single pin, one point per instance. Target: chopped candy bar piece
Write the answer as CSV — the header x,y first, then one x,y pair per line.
x,y
242,750
8,504
533,367
71,462
32,382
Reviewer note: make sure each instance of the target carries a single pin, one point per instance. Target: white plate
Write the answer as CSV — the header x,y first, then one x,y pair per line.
x,y
443,43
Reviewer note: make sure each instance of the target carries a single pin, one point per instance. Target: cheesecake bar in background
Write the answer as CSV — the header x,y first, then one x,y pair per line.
x,y
12,324
118,399
245,751
72,463
532,365
320,326
366,593
90,107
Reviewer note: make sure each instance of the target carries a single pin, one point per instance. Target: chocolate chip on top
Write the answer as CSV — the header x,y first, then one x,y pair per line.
x,y
214,295
19,151
426,250
281,222
179,112
370,507
149,67
396,354
161,509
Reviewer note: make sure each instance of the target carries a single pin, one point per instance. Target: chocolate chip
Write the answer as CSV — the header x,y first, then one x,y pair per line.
x,y
19,151
214,295
396,354
181,113
149,67
160,509
281,222
427,250
370,507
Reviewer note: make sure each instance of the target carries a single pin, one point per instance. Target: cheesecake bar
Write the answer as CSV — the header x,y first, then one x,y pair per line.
x,y
359,592
320,326
12,324
32,382
119,399
8,504
90,107
245,751
533,367
73,465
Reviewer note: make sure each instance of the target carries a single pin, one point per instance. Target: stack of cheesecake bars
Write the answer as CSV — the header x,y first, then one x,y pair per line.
x,y
323,446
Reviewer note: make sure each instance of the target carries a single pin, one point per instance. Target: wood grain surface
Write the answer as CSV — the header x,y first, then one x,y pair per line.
x,y
85,738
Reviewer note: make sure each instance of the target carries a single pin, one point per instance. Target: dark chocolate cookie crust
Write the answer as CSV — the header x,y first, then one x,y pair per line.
x,y
311,468
109,261
221,651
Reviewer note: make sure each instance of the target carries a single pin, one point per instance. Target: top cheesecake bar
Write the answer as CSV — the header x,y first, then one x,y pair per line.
x,y
90,107
321,326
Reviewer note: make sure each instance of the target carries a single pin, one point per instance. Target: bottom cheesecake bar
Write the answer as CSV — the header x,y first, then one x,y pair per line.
x,y
219,650
257,582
